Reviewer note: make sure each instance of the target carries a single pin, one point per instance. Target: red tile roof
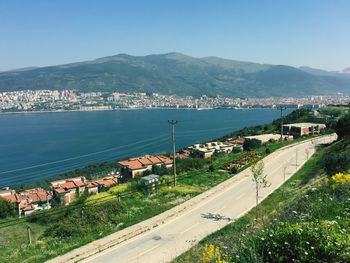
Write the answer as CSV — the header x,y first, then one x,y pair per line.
x,y
30,196
142,162
237,140
79,181
107,182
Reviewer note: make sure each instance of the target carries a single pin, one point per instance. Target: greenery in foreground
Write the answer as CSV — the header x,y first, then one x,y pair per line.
x,y
306,220
60,230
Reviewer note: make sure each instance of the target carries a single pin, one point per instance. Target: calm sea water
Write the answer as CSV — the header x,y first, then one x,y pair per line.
x,y
41,145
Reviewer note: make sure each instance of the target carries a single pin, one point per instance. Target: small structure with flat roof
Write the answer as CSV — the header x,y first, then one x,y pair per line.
x,y
304,128
151,181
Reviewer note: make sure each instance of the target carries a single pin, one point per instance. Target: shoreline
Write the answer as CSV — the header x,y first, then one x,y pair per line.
x,y
132,109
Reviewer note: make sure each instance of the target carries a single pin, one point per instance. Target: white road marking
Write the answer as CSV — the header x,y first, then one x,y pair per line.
x,y
145,252
222,208
189,228
240,196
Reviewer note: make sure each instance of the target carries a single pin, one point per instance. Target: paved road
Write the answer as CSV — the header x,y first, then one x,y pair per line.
x,y
171,239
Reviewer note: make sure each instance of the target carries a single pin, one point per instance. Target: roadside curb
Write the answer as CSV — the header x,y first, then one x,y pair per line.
x,y
128,233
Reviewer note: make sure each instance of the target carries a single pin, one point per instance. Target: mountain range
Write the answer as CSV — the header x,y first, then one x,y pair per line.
x,y
176,73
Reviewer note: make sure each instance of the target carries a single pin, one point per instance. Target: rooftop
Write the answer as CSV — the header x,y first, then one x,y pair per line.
x,y
144,161
304,124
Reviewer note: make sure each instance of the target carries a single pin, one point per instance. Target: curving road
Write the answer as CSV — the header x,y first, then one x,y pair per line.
x,y
169,240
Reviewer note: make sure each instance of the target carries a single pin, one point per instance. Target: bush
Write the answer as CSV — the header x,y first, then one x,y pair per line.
x,y
7,208
233,170
250,144
323,241
160,170
181,190
342,127
211,168
184,165
336,162
267,150
85,220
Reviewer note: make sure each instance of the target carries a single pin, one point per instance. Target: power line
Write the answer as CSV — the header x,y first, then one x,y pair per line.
x,y
67,209
80,156
52,171
173,123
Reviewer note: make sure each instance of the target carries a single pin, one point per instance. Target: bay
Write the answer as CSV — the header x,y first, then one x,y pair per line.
x,y
36,146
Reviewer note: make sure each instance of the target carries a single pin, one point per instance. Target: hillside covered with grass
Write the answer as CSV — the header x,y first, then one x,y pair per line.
x,y
179,74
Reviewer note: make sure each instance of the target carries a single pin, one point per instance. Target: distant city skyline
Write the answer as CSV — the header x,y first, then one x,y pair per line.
x,y
296,33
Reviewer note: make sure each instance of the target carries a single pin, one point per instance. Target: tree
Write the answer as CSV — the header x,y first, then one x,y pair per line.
x,y
335,162
250,144
260,180
342,127
7,208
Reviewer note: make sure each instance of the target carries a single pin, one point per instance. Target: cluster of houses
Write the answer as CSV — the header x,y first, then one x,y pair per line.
x,y
67,190
290,131
29,200
64,191
207,150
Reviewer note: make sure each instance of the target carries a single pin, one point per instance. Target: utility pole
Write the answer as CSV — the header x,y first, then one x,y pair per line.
x,y
29,235
284,173
284,177
281,108
47,201
173,123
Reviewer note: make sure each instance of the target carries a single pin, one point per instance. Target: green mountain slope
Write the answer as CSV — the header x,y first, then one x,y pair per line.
x,y
175,73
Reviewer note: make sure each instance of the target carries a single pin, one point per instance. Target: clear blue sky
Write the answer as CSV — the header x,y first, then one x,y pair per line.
x,y
296,32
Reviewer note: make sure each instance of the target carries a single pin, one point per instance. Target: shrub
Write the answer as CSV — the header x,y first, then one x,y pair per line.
x,y
7,208
233,170
184,165
181,190
118,189
250,144
85,220
160,170
336,162
342,127
211,168
268,151
66,228
323,241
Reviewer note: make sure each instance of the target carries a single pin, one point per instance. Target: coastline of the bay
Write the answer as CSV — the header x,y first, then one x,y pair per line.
x,y
134,109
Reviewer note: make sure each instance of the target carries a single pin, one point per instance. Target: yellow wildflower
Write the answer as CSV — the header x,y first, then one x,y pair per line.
x,y
341,178
212,254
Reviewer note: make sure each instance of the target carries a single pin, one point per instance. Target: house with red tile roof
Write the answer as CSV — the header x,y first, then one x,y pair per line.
x,y
239,140
92,187
104,183
6,191
29,200
68,189
137,166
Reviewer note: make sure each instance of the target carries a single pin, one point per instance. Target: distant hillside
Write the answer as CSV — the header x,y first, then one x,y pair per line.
x,y
175,73
346,71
